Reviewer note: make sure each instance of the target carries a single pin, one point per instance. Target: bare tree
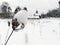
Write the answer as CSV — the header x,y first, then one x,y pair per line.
x,y
6,9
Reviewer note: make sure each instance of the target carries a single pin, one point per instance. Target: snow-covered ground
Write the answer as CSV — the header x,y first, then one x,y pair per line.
x,y
37,32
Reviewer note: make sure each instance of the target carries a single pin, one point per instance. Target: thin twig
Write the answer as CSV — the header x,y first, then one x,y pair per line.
x,y
9,37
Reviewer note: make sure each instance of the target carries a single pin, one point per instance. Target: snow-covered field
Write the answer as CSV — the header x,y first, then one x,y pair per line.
x,y
37,32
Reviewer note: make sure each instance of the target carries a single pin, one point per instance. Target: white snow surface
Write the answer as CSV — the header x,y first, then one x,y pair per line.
x,y
36,32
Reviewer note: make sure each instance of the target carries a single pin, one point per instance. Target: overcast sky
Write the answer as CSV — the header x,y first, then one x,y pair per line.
x,y
42,6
